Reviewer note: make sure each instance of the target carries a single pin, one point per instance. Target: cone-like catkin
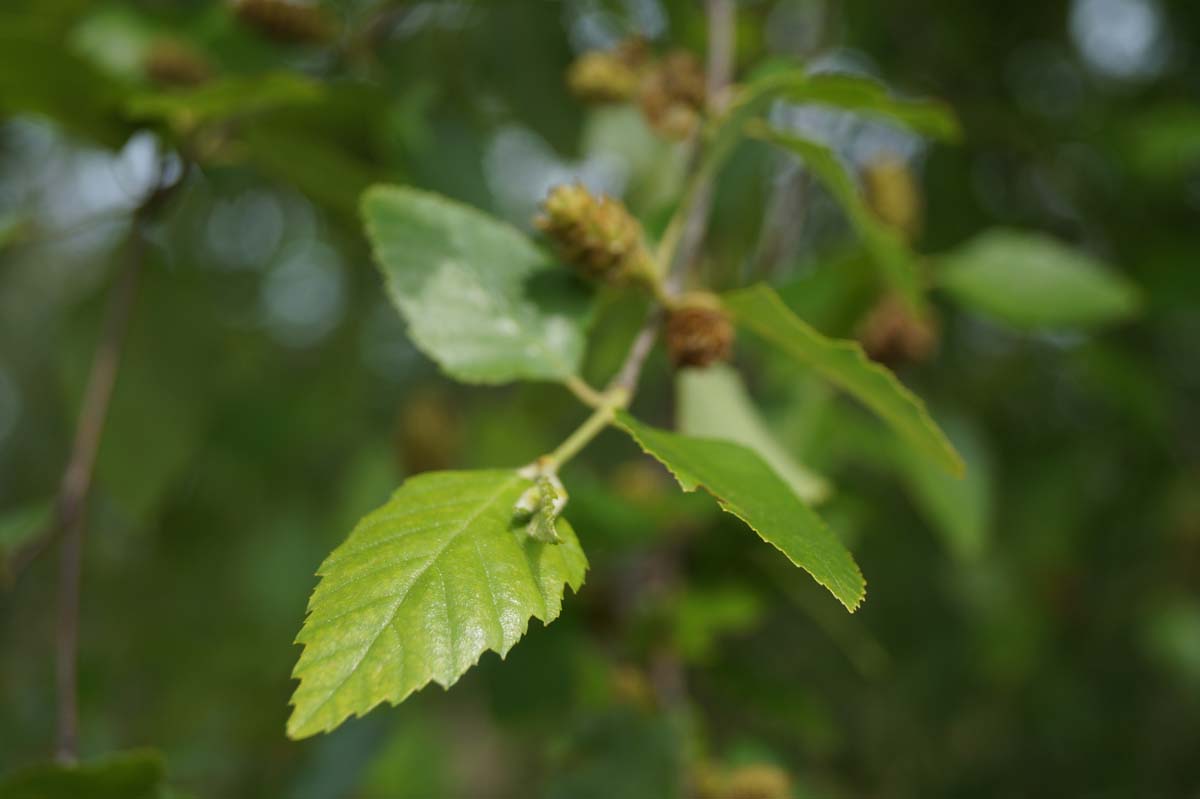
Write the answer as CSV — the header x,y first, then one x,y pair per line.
x,y
595,234
609,76
171,63
892,333
893,194
672,95
699,332
285,20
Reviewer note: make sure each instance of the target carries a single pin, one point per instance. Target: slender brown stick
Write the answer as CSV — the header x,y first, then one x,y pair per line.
x,y
718,73
76,486
73,492
627,376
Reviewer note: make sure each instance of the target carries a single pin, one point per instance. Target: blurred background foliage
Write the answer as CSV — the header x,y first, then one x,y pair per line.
x,y
1033,630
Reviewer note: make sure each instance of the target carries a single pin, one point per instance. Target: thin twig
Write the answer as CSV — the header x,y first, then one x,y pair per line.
x,y
719,71
627,376
73,493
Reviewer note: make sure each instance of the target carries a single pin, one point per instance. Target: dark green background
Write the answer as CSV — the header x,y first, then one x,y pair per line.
x,y
268,399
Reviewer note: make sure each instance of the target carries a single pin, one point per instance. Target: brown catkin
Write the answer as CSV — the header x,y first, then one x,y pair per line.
x,y
892,332
699,332
672,95
595,235
172,63
285,21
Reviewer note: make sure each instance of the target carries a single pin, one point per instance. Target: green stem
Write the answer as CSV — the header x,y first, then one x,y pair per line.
x,y
614,400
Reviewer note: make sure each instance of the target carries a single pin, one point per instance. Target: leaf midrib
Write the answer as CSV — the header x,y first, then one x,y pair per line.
x,y
391,614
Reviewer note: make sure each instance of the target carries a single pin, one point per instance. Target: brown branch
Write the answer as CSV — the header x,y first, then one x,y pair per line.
x,y
627,376
75,488
722,28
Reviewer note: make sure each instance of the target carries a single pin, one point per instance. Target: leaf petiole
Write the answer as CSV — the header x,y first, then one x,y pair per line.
x,y
613,400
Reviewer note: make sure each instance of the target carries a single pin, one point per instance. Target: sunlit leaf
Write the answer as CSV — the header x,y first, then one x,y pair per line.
x,y
422,587
713,403
1029,280
744,485
844,364
479,297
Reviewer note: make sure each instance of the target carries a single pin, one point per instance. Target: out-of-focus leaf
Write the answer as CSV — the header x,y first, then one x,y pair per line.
x,y
847,92
38,76
886,245
621,753
960,509
743,484
313,165
137,774
1164,143
423,587
1029,280
844,364
702,615
713,403
479,297
227,98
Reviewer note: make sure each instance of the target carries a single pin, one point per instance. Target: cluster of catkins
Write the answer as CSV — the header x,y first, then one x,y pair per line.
x,y
600,239
670,90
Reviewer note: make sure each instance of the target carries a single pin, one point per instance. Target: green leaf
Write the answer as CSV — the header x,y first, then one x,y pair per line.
x,y
138,774
479,297
39,76
1029,280
847,92
843,363
898,263
713,403
958,509
421,589
227,98
744,485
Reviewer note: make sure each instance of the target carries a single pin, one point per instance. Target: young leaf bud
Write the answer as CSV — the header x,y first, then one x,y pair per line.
x,y
699,332
169,62
288,21
596,235
892,333
539,507
672,95
893,194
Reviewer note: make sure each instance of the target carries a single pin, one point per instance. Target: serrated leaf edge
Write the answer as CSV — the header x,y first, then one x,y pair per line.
x,y
296,730
948,455
690,486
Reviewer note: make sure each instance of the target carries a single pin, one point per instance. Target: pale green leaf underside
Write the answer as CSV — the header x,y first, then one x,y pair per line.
x,y
479,297
889,251
843,363
744,485
713,403
1029,280
420,590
